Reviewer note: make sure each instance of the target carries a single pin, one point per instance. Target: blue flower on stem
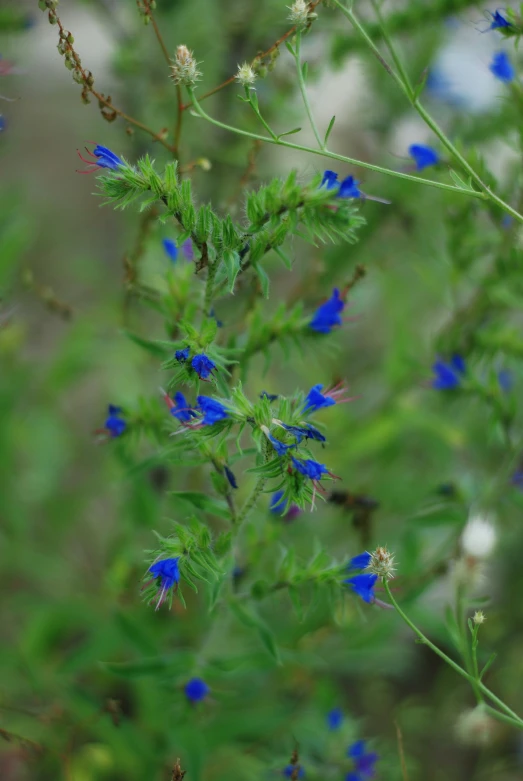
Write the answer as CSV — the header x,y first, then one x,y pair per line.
x,y
291,769
280,447
114,423
169,575
182,409
363,585
305,432
502,68
104,159
230,476
330,180
423,156
328,314
182,355
213,411
196,690
316,400
448,375
498,20
334,718
348,188
364,760
361,561
203,366
171,250
310,468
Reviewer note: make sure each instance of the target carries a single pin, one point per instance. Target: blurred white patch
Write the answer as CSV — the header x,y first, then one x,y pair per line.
x,y
479,537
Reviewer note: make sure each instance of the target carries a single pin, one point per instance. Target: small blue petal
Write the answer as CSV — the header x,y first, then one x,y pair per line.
x,y
203,366
498,21
506,380
280,447
230,477
349,188
330,180
360,561
363,586
335,718
502,68
168,572
106,158
327,316
182,409
423,156
182,355
196,690
278,503
171,250
448,375
357,749
213,411
315,399
312,469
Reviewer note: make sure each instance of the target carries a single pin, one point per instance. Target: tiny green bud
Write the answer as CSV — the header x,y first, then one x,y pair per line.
x,y
42,5
69,64
53,19
78,76
70,38
479,617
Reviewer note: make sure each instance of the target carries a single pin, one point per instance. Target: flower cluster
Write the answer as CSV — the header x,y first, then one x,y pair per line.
x,y
448,375
364,761
201,363
207,410
184,68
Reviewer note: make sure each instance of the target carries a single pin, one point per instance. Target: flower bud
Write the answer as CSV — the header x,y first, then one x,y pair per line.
x,y
245,76
475,727
478,538
184,68
299,13
381,563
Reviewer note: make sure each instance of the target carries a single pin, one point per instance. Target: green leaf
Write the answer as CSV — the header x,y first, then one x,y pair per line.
x,y
305,70
490,662
232,263
290,132
155,348
329,130
264,279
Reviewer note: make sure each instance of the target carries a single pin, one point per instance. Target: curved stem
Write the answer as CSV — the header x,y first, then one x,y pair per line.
x,y
303,90
198,110
416,104
464,674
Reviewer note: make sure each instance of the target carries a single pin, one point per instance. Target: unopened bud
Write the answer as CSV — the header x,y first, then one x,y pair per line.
x,y
381,564
184,68
78,76
245,76
475,727
42,5
299,13
70,38
53,19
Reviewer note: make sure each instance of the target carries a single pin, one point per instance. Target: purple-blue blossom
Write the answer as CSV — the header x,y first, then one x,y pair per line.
x,y
310,468
498,20
181,409
334,718
182,355
347,188
327,316
423,156
364,761
171,250
168,573
305,432
448,375
213,411
316,399
502,68
203,366
114,423
196,690
229,474
104,158
361,561
363,585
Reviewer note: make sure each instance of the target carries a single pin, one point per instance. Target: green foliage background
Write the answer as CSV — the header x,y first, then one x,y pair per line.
x,y
443,275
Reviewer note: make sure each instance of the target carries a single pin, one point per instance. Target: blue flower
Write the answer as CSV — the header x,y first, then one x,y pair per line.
x,y
315,399
305,432
196,690
329,180
230,477
506,380
363,761
502,68
182,409
310,468
335,718
280,447
203,366
169,574
423,156
171,250
182,355
363,586
213,411
448,375
269,396
498,21
349,188
360,561
114,424
290,769
104,159
328,314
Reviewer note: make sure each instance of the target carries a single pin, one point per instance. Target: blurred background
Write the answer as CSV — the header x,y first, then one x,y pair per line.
x,y
91,679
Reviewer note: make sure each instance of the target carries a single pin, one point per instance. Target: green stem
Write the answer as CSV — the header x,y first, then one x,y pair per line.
x,y
209,287
452,663
464,641
416,104
255,108
251,502
404,76
303,90
501,716
333,156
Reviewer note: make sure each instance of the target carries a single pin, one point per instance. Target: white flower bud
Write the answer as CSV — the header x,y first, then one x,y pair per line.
x,y
184,68
478,538
381,563
475,727
299,13
245,76
479,617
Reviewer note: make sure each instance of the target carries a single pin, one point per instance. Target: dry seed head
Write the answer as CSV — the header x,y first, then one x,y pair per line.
x,y
299,13
245,76
184,68
381,563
